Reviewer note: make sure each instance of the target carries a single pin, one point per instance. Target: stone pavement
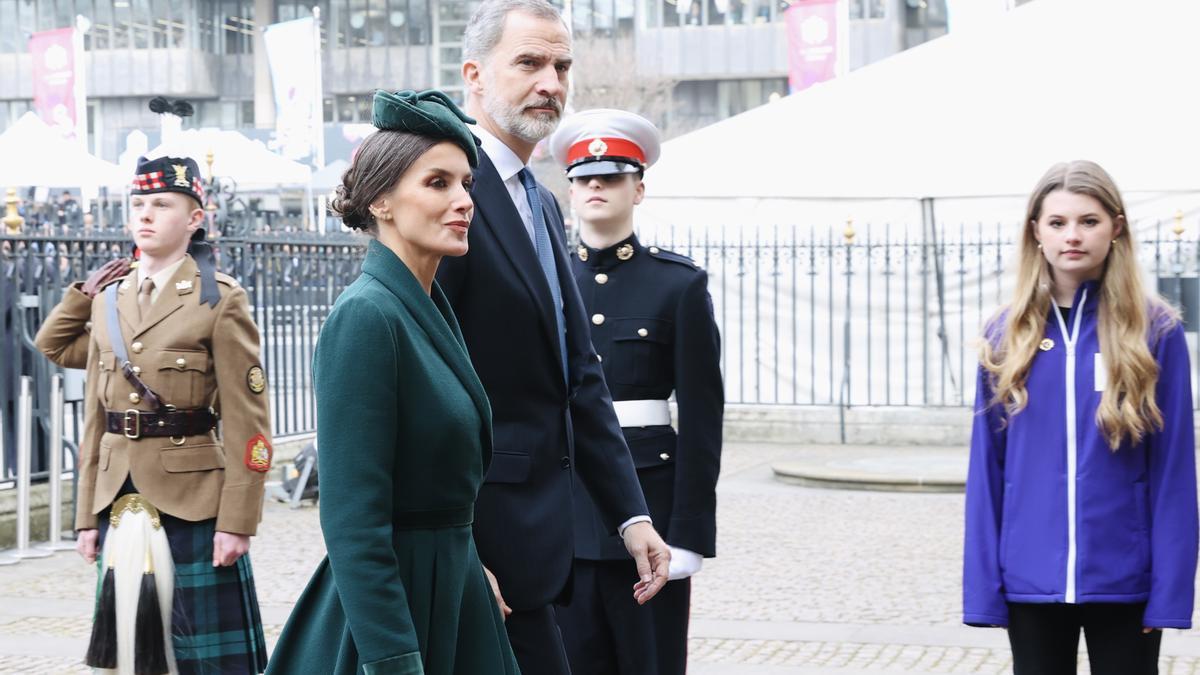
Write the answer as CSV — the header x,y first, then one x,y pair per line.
x,y
809,581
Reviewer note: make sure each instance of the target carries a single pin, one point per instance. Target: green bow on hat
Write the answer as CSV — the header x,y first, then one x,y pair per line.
x,y
429,113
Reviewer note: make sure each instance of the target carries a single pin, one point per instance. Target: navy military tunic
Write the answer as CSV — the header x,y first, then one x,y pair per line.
x,y
653,329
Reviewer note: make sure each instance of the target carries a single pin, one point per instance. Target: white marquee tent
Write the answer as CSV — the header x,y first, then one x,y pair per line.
x,y
978,113
249,163
33,154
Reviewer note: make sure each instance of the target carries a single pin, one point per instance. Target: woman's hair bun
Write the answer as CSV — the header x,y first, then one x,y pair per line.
x,y
354,215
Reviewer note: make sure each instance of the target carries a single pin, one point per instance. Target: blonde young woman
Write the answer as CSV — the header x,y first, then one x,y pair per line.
x,y
1081,495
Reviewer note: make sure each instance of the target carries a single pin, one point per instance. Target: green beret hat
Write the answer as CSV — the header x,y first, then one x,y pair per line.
x,y
429,113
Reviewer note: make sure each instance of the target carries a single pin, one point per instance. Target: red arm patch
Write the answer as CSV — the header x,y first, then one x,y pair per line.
x,y
258,454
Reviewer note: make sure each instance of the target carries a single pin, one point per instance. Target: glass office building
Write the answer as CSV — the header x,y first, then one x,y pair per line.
x,y
722,56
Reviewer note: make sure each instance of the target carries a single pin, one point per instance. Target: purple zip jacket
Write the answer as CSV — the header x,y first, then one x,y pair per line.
x,y
1053,515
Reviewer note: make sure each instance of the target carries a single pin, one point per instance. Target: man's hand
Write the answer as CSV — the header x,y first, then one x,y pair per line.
x,y
653,558
86,542
505,610
228,547
108,272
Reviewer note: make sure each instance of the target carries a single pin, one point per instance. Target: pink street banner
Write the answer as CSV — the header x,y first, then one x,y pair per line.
x,y
54,76
812,27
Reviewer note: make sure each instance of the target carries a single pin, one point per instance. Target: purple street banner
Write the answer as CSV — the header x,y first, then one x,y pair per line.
x,y
54,79
813,31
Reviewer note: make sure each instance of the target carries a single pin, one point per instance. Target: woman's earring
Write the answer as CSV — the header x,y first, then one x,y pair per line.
x,y
1039,246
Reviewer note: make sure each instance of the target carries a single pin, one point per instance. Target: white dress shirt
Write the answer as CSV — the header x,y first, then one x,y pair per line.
x,y
161,278
508,165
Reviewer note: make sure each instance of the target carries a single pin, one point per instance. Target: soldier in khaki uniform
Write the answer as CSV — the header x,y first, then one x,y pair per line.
x,y
170,350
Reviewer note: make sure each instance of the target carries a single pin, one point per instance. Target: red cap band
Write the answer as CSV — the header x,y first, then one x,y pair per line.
x,y
604,147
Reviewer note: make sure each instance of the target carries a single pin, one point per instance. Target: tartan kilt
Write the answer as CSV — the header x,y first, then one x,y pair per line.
x,y
216,628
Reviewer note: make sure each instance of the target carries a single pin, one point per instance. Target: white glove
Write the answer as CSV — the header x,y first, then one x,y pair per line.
x,y
684,563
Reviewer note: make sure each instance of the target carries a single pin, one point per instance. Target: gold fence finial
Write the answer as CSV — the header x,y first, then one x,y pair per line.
x,y
849,232
12,220
208,158
1178,229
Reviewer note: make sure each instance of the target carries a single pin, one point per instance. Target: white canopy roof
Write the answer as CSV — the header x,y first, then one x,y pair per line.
x,y
975,113
33,154
249,163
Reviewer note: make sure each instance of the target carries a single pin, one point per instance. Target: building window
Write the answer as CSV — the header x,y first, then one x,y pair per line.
x,y
924,20
868,9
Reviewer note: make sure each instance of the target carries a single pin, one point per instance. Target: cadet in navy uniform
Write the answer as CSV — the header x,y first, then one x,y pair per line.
x,y
653,327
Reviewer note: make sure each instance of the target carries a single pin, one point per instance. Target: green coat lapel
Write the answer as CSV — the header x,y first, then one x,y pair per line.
x,y
434,316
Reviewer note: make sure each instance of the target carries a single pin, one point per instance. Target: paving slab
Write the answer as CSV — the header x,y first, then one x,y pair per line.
x,y
874,467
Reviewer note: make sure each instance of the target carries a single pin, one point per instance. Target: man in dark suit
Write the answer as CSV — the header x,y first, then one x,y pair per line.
x,y
652,322
526,330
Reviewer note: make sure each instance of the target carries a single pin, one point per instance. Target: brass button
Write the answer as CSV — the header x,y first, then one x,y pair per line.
x,y
598,319
642,332
599,359
654,250
602,278
136,347
180,362
134,398
137,370
664,457
162,423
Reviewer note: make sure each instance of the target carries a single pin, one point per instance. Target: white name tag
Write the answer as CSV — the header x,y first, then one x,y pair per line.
x,y
1100,371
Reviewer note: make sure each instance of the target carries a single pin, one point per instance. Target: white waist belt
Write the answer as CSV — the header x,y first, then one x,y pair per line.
x,y
649,413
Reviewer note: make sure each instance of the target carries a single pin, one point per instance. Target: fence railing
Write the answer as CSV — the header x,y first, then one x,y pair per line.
x,y
879,317
291,283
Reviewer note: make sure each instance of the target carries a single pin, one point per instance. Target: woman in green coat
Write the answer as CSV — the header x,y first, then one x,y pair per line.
x,y
403,425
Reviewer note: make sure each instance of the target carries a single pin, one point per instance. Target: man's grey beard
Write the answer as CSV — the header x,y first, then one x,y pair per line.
x,y
529,128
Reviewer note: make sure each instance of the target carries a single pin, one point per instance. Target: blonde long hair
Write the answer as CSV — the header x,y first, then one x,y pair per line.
x,y
1128,318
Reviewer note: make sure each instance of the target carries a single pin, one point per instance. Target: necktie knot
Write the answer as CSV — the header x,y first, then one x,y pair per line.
x,y
145,293
527,179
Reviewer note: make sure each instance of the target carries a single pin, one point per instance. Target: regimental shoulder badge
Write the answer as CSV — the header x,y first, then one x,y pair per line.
x,y
256,381
258,454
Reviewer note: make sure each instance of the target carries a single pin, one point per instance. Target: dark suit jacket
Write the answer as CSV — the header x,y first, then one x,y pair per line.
x,y
548,429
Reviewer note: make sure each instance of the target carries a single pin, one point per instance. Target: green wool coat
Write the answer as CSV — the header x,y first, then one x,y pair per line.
x,y
404,438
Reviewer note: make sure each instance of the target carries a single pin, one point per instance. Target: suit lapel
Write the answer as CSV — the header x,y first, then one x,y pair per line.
x,y
435,320
494,204
168,301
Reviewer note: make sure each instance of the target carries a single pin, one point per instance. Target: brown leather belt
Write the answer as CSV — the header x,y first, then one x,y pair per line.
x,y
136,424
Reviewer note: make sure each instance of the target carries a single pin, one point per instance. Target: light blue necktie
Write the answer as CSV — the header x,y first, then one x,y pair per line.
x,y
545,256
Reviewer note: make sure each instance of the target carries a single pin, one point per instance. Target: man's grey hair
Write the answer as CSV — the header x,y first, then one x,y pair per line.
x,y
486,26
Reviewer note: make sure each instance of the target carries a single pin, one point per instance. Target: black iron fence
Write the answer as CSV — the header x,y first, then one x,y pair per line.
x,y
291,283
882,316
879,315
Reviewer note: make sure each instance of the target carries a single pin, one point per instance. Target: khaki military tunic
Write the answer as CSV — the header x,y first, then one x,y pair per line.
x,y
192,356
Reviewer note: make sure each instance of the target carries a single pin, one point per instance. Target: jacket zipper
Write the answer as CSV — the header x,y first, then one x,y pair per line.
x,y
1069,341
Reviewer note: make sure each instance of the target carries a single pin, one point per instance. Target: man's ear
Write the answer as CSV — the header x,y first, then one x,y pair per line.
x,y
472,74
639,192
196,219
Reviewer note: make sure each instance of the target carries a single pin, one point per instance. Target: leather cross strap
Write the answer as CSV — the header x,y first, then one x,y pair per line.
x,y
136,424
118,344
